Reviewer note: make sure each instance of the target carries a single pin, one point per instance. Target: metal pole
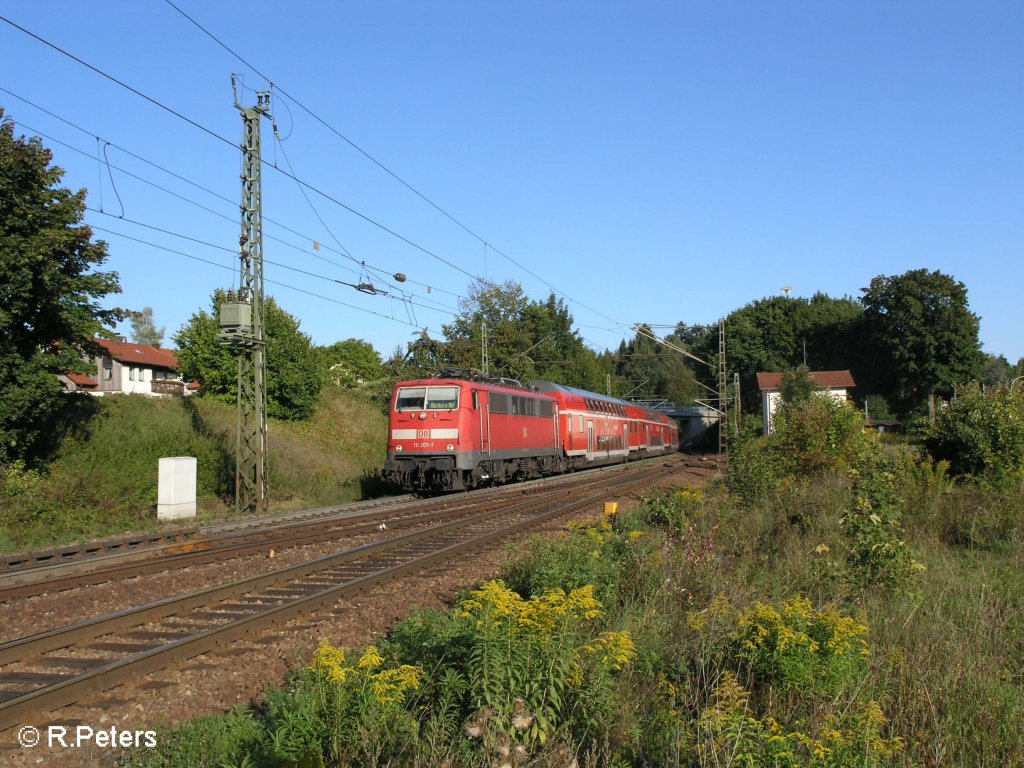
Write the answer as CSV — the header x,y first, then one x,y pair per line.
x,y
251,462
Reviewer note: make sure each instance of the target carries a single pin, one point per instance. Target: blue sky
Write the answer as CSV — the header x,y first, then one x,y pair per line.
x,y
654,162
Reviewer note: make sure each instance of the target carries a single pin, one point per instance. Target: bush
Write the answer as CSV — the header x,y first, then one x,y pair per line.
x,y
981,434
879,553
819,434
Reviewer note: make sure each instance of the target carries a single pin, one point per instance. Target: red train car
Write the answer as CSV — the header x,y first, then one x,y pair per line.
x,y
462,431
599,429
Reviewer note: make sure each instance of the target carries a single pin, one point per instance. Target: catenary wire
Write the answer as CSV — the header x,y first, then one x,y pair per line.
x,y
384,168
211,210
271,282
216,135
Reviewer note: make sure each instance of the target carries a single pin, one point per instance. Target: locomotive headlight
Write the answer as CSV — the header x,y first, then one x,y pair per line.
x,y
398,449
450,447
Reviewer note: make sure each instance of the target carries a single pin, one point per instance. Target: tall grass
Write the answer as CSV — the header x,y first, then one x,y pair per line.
x,y
104,477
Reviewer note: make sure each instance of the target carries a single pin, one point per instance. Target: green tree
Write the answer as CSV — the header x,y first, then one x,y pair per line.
x,y
49,294
422,358
294,372
652,370
525,339
779,333
351,362
924,333
797,386
997,371
144,330
503,309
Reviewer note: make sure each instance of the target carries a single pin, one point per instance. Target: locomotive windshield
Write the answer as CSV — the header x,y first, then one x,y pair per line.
x,y
427,399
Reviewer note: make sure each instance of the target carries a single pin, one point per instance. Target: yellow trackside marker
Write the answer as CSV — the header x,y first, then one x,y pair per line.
x,y
611,508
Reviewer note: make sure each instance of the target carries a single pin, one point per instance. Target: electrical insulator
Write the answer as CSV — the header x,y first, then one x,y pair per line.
x,y
399,277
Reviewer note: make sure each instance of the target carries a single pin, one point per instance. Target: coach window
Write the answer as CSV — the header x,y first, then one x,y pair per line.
x,y
476,400
498,403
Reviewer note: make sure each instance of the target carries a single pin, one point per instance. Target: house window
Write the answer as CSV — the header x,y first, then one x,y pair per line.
x,y
108,373
131,374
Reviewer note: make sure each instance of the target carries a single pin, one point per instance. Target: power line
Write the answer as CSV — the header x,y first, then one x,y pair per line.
x,y
55,140
272,282
113,79
234,252
380,165
309,186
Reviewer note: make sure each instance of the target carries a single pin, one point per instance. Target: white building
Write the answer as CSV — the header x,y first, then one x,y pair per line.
x,y
126,368
834,384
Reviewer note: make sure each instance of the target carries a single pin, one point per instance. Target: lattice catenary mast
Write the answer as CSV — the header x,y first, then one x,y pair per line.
x,y
243,321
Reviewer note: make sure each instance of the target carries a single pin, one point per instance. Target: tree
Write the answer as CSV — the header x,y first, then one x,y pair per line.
x,y
49,294
797,386
144,331
525,339
294,373
779,333
925,335
351,362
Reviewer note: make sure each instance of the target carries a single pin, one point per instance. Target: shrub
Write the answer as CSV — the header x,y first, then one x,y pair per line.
x,y
755,471
879,553
342,712
809,436
536,666
730,734
819,434
581,559
981,434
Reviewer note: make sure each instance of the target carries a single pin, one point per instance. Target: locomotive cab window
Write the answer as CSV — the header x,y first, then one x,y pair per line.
x,y
427,398
442,398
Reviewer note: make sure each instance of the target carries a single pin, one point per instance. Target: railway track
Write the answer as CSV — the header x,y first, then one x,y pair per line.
x,y
52,669
31,574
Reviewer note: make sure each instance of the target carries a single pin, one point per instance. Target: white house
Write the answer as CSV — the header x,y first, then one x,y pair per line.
x,y
832,383
126,368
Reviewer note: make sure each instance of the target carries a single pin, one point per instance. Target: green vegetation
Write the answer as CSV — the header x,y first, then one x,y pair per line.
x,y
49,293
103,478
295,373
909,338
852,616
981,435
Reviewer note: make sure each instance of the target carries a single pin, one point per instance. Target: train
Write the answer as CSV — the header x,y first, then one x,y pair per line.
x,y
461,430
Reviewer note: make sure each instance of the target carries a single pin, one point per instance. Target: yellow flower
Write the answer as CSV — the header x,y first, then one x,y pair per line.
x,y
330,660
371,659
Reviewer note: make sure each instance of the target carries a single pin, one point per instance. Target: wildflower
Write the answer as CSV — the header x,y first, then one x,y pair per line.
x,y
331,661
371,659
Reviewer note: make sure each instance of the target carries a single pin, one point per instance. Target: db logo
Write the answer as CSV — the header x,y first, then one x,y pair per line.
x,y
422,434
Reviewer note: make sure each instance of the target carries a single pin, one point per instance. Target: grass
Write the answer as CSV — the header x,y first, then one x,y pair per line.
x,y
103,480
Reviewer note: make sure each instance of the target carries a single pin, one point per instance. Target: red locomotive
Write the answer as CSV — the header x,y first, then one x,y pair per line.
x,y
461,430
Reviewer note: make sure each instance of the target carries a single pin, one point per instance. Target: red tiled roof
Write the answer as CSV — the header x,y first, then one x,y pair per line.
x,y
81,379
139,354
827,379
